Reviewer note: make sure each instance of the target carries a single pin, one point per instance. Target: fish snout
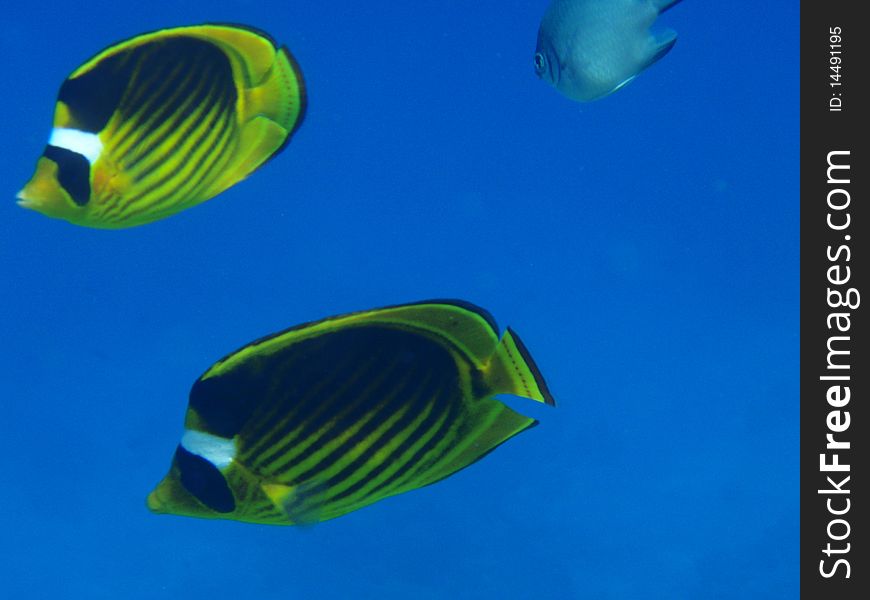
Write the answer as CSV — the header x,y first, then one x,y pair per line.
x,y
159,500
155,503
22,199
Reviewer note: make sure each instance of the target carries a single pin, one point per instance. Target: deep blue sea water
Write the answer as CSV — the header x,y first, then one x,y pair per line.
x,y
645,246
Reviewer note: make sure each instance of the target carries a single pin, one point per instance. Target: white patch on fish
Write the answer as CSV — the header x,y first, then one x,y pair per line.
x,y
81,142
217,450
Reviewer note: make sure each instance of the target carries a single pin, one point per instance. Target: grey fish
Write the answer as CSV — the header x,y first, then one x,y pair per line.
x,y
588,49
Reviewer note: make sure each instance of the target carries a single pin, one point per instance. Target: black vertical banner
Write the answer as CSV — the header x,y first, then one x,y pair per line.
x,y
835,366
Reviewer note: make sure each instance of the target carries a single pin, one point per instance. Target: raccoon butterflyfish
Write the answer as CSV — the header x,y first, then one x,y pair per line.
x,y
163,121
327,417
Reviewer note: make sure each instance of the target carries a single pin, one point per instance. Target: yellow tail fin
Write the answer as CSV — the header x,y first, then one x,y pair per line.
x,y
512,370
280,96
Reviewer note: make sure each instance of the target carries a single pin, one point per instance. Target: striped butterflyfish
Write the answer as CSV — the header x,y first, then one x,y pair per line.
x,y
327,417
163,121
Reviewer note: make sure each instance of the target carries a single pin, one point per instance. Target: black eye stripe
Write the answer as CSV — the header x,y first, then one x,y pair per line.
x,y
203,480
73,172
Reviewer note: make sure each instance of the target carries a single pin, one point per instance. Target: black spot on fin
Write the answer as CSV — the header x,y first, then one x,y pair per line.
x,y
204,481
73,173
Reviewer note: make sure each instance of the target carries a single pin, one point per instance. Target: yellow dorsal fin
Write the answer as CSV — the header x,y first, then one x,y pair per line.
x,y
271,81
253,52
463,325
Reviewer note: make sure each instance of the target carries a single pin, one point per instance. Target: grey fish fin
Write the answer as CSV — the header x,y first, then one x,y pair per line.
x,y
301,503
664,42
664,5
625,83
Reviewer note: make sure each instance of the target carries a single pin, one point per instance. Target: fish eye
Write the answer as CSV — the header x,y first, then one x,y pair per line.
x,y
540,62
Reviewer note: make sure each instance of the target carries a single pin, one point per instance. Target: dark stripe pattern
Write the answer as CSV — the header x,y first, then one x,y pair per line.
x,y
172,128
373,410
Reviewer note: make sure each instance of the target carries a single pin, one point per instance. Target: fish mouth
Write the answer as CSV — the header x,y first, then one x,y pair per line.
x,y
23,200
155,502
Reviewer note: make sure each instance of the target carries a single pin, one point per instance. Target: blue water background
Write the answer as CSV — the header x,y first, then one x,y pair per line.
x,y
645,246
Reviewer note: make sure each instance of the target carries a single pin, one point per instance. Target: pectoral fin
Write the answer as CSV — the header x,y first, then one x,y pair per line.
x,y
664,5
663,44
301,503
